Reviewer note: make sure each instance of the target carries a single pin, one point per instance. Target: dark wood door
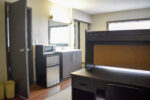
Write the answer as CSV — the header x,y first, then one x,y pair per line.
x,y
18,47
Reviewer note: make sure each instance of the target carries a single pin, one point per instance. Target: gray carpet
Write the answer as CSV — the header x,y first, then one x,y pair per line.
x,y
65,94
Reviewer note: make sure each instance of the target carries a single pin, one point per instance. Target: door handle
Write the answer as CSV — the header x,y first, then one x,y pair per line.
x,y
27,49
23,50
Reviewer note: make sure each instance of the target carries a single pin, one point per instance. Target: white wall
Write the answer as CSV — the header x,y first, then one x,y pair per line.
x,y
40,15
99,21
3,68
83,27
63,14
60,13
41,11
81,16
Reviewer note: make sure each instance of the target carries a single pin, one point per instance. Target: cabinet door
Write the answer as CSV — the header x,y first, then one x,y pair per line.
x,y
67,63
71,61
76,60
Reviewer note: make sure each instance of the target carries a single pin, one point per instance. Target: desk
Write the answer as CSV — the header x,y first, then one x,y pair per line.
x,y
86,83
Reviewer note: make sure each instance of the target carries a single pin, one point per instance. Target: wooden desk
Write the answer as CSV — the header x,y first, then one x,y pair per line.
x,y
86,83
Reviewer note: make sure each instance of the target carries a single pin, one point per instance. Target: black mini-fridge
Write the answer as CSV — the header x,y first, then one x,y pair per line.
x,y
52,70
47,66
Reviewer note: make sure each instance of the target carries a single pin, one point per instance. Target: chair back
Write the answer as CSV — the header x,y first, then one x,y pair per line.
x,y
122,92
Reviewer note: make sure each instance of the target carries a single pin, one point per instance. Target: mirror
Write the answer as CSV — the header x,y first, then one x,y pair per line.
x,y
56,23
58,33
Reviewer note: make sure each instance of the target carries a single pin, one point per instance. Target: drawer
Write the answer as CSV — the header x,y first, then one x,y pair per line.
x,y
52,60
84,84
53,75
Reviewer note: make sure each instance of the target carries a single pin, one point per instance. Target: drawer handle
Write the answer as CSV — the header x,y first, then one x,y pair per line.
x,y
83,84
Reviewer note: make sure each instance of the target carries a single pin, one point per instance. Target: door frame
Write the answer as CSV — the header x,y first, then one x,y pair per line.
x,y
30,53
79,33
7,41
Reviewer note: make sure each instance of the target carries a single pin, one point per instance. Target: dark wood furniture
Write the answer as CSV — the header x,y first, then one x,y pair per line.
x,y
88,82
69,61
125,37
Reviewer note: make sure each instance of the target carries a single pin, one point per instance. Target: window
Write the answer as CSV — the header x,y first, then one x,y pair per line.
x,y
59,36
129,25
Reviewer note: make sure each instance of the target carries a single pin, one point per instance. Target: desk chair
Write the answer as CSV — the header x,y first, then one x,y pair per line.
x,y
122,92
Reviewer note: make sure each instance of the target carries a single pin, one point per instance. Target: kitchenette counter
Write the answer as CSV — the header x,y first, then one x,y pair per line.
x,y
70,60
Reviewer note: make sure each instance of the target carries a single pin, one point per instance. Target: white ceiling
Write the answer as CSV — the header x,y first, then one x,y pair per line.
x,y
103,6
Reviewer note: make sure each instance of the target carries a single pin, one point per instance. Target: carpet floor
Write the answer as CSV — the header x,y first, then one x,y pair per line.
x,y
65,94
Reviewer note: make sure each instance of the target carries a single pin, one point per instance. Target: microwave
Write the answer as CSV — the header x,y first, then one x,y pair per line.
x,y
42,49
47,49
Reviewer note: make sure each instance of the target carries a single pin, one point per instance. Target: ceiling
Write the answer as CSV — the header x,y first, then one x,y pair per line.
x,y
104,6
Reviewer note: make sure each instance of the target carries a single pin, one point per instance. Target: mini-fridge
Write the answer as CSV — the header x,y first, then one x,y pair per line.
x,y
47,66
52,70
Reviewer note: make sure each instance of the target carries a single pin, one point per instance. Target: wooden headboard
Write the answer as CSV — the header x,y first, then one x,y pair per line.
x,y
126,49
126,56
